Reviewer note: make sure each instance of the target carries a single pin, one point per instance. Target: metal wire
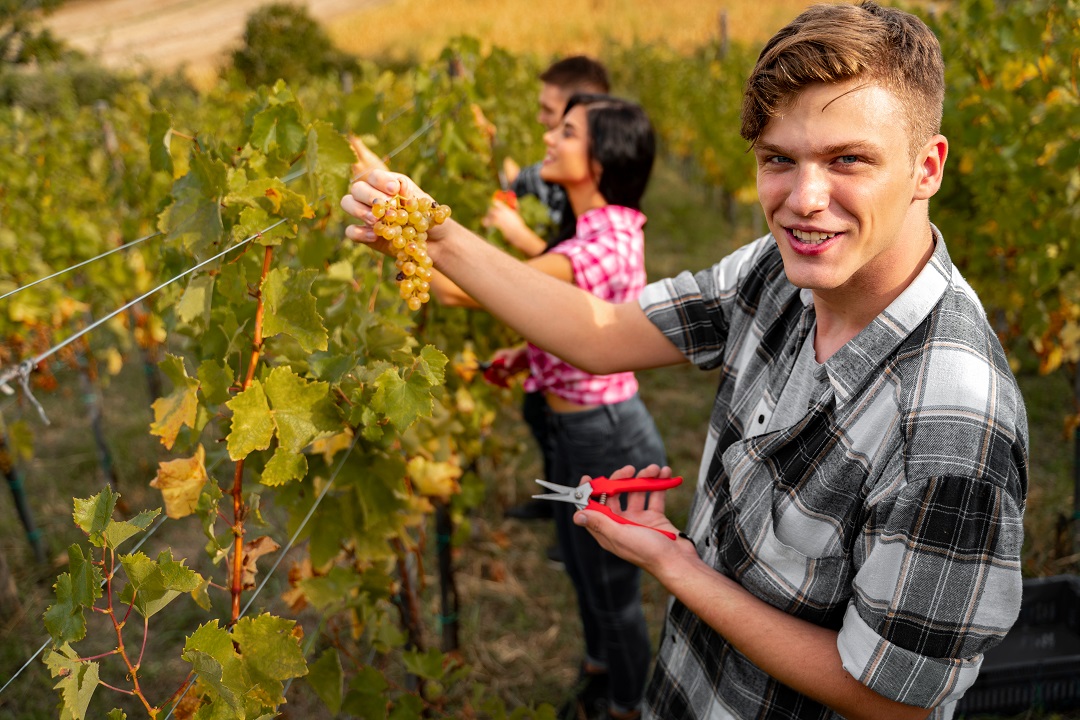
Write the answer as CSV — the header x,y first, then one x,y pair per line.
x,y
58,273
284,550
14,372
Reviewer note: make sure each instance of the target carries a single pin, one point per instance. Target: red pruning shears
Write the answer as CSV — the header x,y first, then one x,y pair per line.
x,y
602,488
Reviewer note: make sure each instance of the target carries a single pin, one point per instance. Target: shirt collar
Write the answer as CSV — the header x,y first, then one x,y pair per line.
x,y
852,366
602,219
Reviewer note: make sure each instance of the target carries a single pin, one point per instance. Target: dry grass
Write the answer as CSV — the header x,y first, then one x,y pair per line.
x,y
403,29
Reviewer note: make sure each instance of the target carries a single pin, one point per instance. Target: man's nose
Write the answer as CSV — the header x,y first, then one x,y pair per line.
x,y
811,192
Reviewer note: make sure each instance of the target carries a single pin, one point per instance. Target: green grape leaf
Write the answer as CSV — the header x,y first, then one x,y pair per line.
x,y
365,697
284,467
329,160
118,531
158,139
78,680
275,198
257,224
429,665
252,426
86,578
432,365
271,654
290,308
215,379
64,619
210,651
326,678
154,584
116,714
330,590
197,300
194,217
181,482
92,515
407,707
179,407
403,401
302,410
278,128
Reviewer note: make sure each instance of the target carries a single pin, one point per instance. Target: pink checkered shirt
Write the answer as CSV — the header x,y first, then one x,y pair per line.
x,y
608,259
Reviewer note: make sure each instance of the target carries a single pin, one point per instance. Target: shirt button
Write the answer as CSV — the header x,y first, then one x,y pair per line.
x,y
761,419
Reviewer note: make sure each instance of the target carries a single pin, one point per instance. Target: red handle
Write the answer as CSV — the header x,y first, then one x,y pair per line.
x,y
593,505
614,487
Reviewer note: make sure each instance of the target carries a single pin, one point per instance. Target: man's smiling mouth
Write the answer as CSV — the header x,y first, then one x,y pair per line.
x,y
812,238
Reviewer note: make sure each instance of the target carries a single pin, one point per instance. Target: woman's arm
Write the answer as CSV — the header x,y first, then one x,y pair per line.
x,y
507,220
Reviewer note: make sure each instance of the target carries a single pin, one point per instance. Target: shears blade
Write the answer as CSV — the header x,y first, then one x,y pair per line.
x,y
576,495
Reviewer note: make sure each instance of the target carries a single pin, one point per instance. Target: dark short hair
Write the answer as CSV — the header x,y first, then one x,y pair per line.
x,y
621,142
578,73
836,43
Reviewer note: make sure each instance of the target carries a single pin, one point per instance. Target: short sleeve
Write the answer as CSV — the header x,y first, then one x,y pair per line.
x,y
940,586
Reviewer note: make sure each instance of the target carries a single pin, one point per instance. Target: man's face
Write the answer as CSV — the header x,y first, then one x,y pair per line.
x,y
841,192
552,104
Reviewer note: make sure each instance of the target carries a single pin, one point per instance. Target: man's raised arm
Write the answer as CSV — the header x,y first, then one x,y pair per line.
x,y
585,331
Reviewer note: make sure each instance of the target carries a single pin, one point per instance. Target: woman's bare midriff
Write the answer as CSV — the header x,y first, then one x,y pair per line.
x,y
562,405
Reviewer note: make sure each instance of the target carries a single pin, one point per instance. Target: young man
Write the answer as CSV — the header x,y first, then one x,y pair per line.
x,y
857,527
575,74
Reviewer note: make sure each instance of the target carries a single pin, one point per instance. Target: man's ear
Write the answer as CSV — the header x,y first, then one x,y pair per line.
x,y
930,167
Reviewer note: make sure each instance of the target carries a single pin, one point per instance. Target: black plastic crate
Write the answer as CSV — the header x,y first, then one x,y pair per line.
x,y
1037,665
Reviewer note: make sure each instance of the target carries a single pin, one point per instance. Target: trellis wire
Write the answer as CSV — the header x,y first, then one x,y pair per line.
x,y
23,369
288,546
58,273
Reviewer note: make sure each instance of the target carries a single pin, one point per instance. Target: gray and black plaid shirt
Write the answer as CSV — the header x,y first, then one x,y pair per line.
x,y
891,512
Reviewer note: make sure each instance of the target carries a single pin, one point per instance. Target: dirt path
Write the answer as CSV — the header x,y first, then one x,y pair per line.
x,y
166,34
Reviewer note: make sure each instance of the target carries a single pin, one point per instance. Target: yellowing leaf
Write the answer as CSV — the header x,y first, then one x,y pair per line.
x,y
330,446
254,550
179,407
180,482
434,479
114,361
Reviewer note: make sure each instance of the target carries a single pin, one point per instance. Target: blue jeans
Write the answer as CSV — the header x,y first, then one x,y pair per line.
x,y
596,443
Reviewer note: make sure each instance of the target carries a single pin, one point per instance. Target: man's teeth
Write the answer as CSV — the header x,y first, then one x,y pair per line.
x,y
813,238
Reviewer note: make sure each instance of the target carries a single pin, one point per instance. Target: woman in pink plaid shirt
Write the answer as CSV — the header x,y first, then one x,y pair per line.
x,y
602,154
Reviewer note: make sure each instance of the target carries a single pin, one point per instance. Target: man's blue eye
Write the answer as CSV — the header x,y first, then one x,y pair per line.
x,y
849,159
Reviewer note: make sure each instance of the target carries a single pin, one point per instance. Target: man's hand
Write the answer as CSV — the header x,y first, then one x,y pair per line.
x,y
647,549
379,185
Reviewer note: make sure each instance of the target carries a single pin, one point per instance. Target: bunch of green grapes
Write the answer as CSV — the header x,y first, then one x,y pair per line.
x,y
404,222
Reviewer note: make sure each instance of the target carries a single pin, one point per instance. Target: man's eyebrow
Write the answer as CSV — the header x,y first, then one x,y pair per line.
x,y
854,147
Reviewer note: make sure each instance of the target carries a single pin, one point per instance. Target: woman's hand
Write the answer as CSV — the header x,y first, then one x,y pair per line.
x,y
509,222
503,218
647,549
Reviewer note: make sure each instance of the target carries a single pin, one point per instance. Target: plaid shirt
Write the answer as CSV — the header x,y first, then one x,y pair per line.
x,y
608,259
892,511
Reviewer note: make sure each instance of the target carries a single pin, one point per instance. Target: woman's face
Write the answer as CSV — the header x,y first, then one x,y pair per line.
x,y
567,160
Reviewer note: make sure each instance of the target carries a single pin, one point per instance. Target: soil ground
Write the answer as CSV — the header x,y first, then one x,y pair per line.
x,y
169,34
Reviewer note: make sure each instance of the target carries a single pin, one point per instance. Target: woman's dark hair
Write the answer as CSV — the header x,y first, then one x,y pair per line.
x,y
621,142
